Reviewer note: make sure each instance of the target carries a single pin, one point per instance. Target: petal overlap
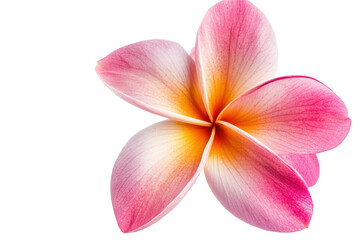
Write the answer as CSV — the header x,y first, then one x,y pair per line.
x,y
235,50
291,115
306,165
254,184
157,76
155,170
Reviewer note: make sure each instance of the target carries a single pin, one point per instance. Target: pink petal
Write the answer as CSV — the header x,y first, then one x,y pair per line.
x,y
158,76
235,50
292,114
254,184
192,53
155,170
306,165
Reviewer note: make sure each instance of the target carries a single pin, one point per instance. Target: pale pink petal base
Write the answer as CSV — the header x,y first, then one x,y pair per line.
x,y
254,184
155,170
306,165
291,115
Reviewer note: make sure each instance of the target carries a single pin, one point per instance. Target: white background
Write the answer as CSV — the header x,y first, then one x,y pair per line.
x,y
61,129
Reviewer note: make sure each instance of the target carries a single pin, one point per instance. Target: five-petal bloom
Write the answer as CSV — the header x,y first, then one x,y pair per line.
x,y
255,138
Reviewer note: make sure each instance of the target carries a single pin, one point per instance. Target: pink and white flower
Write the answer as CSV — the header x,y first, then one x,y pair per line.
x,y
255,138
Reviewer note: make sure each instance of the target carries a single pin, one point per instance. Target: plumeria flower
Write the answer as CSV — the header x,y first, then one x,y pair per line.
x,y
255,138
